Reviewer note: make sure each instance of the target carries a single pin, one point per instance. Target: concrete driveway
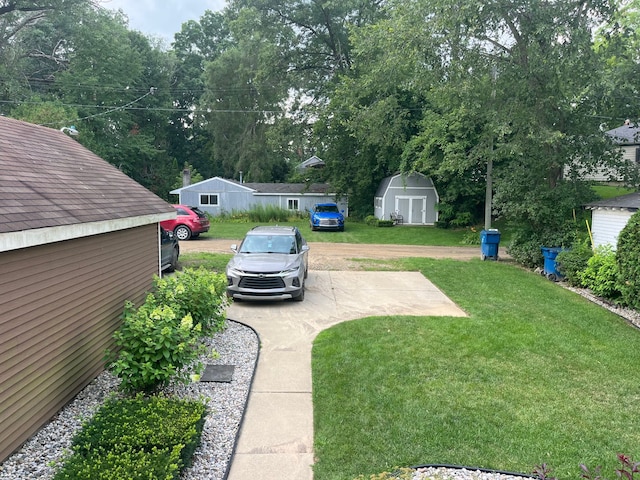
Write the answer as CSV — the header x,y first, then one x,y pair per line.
x,y
276,438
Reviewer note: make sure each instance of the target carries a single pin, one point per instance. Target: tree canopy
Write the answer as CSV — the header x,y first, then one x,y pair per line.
x,y
373,88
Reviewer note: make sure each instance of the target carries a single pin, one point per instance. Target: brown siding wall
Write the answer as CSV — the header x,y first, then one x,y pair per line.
x,y
59,306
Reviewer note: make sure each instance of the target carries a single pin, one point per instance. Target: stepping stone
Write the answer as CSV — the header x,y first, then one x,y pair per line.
x,y
217,373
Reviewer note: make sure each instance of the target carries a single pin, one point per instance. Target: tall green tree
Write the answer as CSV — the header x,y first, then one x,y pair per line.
x,y
197,43
506,81
618,43
32,46
303,47
245,90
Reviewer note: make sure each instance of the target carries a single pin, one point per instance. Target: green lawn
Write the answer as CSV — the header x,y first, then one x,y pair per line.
x,y
608,191
355,232
536,374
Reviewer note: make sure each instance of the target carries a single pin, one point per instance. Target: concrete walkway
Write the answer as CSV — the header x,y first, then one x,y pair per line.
x,y
276,438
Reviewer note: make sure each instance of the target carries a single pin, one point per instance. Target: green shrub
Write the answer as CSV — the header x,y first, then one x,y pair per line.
x,y
143,424
140,438
199,292
385,223
471,237
572,262
154,346
628,260
371,220
525,249
235,216
601,274
268,213
525,244
158,464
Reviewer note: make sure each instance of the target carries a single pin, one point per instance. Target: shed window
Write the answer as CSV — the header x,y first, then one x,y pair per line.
x,y
210,199
293,204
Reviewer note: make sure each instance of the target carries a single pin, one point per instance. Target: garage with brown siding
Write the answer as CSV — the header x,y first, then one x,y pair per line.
x,y
78,238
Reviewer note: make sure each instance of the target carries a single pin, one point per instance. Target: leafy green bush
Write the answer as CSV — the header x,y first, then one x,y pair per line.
x,y
573,261
144,424
140,438
628,259
371,220
471,237
155,346
525,249
235,216
199,292
601,274
160,464
525,243
268,213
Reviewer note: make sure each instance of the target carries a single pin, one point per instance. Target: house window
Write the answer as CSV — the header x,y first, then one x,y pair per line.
x,y
293,204
638,156
210,199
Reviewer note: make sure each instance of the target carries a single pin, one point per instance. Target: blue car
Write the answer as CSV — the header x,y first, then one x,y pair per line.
x,y
326,216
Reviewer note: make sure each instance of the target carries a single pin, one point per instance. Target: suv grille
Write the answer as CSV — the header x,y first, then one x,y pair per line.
x,y
265,282
328,221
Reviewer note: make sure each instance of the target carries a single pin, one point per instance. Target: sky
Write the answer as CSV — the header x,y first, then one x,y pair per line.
x,y
162,18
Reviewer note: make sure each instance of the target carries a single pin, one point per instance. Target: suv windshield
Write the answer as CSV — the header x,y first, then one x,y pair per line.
x,y
327,208
269,244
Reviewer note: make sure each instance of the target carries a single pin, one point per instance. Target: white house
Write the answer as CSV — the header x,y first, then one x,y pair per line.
x,y
610,216
627,137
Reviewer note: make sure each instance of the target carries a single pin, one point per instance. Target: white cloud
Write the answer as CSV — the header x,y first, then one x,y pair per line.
x,y
162,18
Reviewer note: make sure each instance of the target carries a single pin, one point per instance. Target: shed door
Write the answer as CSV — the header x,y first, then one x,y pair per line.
x,y
413,209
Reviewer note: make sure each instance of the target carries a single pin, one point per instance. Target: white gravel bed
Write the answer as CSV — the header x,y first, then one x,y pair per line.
x,y
630,315
445,473
237,345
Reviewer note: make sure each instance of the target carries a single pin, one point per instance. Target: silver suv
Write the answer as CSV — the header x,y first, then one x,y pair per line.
x,y
270,264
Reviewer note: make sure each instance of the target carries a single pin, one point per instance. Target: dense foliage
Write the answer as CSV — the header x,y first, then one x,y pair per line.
x,y
628,261
196,292
521,89
155,347
573,261
159,341
601,273
136,438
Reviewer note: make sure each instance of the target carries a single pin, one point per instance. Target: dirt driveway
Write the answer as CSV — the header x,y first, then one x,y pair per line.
x,y
339,256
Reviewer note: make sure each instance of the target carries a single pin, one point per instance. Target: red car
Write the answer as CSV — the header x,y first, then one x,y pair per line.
x,y
190,222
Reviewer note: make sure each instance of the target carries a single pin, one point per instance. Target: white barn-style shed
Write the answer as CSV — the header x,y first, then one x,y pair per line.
x,y
610,216
220,195
413,197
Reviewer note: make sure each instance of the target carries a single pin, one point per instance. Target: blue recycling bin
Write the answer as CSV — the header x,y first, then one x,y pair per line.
x,y
489,242
550,269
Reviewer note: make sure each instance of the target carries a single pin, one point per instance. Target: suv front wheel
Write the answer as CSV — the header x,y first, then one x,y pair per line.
x,y
300,297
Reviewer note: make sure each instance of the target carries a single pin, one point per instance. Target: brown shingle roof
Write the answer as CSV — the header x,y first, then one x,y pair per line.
x,y
48,179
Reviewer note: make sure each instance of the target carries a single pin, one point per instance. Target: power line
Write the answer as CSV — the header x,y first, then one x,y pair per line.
x,y
123,107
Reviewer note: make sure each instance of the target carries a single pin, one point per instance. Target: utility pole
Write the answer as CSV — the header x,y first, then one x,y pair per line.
x,y
488,200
